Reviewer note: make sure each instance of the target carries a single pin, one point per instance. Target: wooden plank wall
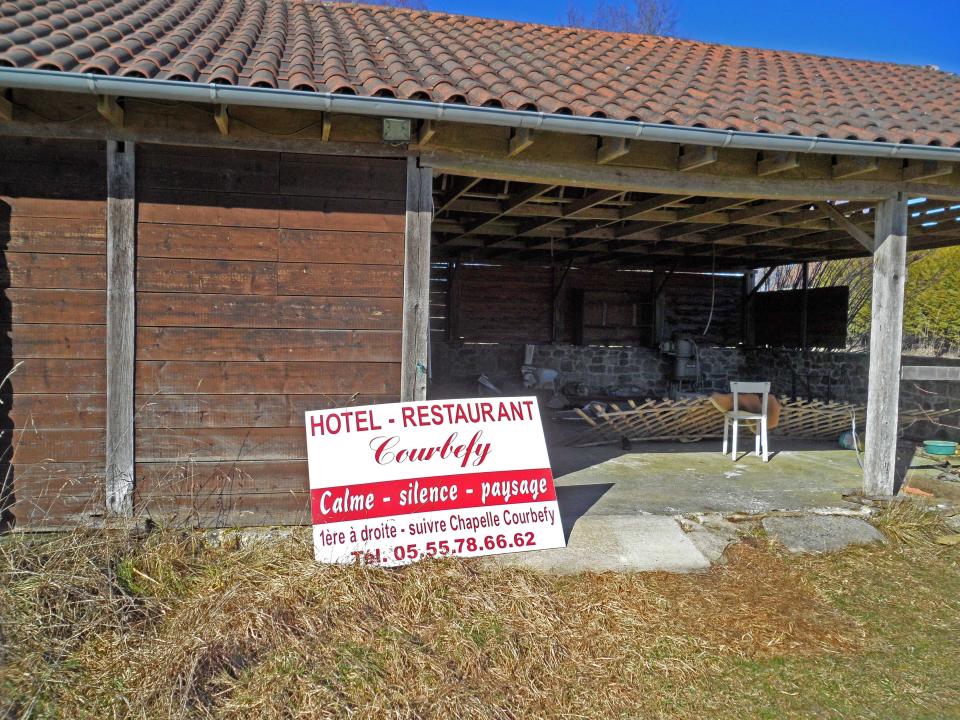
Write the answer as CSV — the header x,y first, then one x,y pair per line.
x,y
513,303
267,284
777,317
689,298
53,248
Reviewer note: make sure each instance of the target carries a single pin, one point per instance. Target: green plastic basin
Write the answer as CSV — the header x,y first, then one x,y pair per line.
x,y
940,447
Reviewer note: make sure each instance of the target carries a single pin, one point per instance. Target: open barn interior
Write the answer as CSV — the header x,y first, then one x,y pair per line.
x,y
601,300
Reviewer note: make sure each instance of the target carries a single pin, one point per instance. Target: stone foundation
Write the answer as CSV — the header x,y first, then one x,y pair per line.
x,y
643,373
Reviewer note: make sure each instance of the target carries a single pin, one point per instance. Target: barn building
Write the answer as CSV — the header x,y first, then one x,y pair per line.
x,y
217,214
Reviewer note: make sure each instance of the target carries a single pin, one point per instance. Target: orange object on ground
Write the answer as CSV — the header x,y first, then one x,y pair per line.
x,y
749,403
916,491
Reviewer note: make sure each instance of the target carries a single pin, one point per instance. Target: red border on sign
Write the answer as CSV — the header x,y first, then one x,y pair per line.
x,y
381,499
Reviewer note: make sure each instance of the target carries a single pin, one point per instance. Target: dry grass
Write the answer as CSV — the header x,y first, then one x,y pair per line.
x,y
911,523
165,626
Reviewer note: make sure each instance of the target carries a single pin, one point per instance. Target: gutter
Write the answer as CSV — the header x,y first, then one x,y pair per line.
x,y
175,90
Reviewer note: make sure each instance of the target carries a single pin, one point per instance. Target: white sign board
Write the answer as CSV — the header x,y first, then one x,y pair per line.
x,y
395,483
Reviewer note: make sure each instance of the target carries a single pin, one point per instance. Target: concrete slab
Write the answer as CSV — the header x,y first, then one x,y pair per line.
x,y
630,543
711,535
683,479
820,533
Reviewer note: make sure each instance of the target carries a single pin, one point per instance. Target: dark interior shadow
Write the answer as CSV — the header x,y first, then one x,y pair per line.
x,y
906,451
7,496
574,502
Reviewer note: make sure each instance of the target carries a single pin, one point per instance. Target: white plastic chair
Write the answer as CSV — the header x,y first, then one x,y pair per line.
x,y
736,415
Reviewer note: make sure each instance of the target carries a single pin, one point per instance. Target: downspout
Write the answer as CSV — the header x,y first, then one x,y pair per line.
x,y
175,90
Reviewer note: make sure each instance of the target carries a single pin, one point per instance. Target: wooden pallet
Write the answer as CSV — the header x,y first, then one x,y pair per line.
x,y
697,419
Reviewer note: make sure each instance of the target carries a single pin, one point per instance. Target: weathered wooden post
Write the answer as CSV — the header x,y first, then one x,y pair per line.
x,y
416,283
886,339
121,327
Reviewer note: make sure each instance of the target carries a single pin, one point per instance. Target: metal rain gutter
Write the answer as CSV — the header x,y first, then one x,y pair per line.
x,y
175,90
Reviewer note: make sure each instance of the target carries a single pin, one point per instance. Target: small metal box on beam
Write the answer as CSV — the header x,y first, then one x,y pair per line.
x,y
396,130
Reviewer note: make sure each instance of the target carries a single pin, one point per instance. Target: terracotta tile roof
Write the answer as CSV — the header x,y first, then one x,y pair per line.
x,y
369,50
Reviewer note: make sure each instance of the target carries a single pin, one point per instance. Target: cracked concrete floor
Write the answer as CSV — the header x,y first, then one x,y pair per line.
x,y
618,507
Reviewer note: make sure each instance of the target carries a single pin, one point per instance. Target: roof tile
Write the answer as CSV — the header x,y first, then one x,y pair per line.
x,y
374,50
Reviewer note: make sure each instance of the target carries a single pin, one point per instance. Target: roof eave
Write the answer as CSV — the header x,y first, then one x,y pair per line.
x,y
175,90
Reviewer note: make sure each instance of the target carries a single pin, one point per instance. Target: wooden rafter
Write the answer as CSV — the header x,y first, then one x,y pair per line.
x,y
848,167
610,149
777,162
460,186
571,210
694,157
855,232
520,140
665,181
514,201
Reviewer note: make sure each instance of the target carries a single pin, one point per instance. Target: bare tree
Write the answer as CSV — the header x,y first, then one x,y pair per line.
x,y
649,17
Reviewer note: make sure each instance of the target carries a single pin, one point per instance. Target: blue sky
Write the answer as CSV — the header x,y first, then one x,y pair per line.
x,y
919,32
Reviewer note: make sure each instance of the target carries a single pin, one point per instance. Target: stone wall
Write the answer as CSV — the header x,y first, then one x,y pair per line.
x,y
821,375
843,376
641,371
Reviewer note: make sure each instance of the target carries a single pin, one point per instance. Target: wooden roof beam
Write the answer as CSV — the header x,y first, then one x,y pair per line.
x,y
571,210
915,170
520,140
461,186
611,148
530,193
221,117
659,181
773,163
694,157
426,132
697,211
848,167
6,106
762,210
110,109
844,222
326,126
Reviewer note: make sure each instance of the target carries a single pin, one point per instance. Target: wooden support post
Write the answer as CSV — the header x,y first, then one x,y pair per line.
x,y
804,304
886,338
416,283
556,308
121,327
746,329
